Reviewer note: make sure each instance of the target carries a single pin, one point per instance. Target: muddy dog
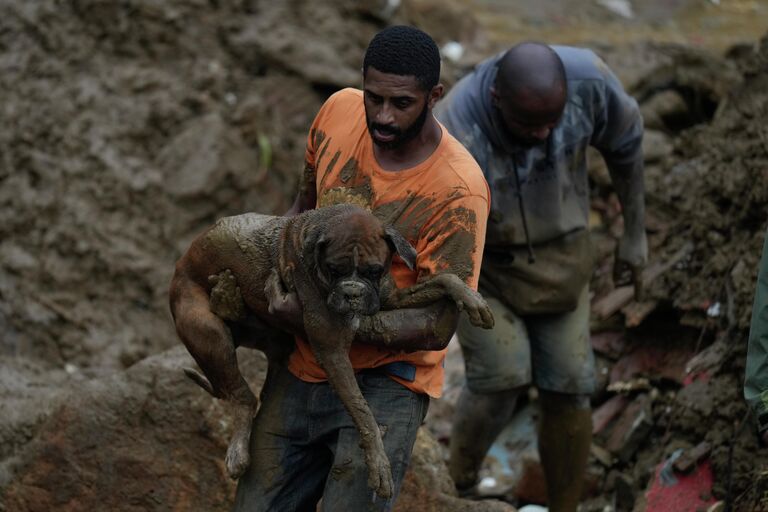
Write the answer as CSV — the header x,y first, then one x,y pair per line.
x,y
336,259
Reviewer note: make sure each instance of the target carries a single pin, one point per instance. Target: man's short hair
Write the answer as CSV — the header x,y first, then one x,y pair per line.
x,y
405,51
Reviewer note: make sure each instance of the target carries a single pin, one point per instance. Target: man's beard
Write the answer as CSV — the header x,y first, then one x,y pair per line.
x,y
401,136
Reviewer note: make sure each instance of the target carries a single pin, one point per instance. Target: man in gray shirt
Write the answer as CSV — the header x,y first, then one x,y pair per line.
x,y
527,116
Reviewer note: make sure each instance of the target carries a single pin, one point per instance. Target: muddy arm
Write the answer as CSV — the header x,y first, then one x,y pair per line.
x,y
439,287
417,328
306,197
410,329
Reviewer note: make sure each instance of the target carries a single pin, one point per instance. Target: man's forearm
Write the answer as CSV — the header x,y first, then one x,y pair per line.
x,y
411,329
628,182
306,198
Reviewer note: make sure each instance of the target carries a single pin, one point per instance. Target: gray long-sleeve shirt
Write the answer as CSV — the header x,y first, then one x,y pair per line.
x,y
554,174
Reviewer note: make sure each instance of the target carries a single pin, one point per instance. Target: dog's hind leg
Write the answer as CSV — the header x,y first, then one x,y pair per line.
x,y
209,341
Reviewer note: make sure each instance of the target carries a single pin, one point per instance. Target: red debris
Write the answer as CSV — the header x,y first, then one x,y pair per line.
x,y
690,493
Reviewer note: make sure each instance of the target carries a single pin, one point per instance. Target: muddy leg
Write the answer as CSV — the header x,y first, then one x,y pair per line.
x,y
209,341
341,376
478,421
565,435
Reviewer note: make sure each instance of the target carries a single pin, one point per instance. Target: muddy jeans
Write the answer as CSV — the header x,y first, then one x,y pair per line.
x,y
304,445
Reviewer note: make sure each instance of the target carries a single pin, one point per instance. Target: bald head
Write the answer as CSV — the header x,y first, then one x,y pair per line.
x,y
530,90
532,69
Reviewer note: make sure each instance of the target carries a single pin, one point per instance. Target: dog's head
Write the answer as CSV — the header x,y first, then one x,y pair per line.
x,y
352,255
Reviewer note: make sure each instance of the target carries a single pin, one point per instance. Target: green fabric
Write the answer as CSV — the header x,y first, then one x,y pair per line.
x,y
756,378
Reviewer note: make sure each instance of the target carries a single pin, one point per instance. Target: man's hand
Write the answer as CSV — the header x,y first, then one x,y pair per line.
x,y
632,256
284,306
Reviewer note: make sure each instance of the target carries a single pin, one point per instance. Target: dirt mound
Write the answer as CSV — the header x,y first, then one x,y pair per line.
x,y
711,192
716,191
130,126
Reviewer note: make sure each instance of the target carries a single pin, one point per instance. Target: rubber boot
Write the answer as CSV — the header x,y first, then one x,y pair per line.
x,y
565,436
478,420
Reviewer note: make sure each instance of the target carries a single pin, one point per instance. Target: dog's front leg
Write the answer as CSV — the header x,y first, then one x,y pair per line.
x,y
333,357
438,287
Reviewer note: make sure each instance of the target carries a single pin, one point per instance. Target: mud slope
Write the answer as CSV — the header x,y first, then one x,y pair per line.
x,y
718,191
127,128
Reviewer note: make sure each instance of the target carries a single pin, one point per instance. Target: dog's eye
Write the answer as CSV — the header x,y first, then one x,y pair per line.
x,y
373,273
336,271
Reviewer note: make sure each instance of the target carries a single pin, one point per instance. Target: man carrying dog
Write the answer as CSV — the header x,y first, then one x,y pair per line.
x,y
380,148
527,116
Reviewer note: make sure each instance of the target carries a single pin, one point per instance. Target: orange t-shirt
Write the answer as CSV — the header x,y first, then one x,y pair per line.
x,y
440,206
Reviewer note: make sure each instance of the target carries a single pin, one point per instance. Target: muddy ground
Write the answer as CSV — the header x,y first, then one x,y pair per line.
x,y
130,126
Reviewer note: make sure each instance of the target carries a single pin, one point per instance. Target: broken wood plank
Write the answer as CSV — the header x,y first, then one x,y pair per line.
x,y
635,312
606,413
690,458
623,295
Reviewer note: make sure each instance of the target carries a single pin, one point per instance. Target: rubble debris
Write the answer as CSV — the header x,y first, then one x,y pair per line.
x,y
631,429
690,458
607,412
621,296
688,493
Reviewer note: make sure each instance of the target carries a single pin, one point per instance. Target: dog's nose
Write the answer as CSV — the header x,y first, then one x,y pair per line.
x,y
352,289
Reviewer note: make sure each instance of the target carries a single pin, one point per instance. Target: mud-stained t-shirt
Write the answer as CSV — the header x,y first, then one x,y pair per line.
x,y
440,206
553,175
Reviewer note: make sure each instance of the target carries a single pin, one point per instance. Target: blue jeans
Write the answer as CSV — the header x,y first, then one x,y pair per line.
x,y
304,445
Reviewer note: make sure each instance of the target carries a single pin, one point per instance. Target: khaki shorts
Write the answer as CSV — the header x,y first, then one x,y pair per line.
x,y
552,351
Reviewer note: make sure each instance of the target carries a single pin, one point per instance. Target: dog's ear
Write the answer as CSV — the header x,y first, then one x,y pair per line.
x,y
320,245
400,245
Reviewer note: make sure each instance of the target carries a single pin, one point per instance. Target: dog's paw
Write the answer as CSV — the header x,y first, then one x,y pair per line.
x,y
238,455
380,476
238,459
226,300
477,309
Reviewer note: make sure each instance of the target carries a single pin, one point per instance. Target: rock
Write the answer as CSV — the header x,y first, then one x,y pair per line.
x,y
631,429
143,439
664,106
698,82
202,155
322,44
148,439
656,146
609,343
428,487
607,412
